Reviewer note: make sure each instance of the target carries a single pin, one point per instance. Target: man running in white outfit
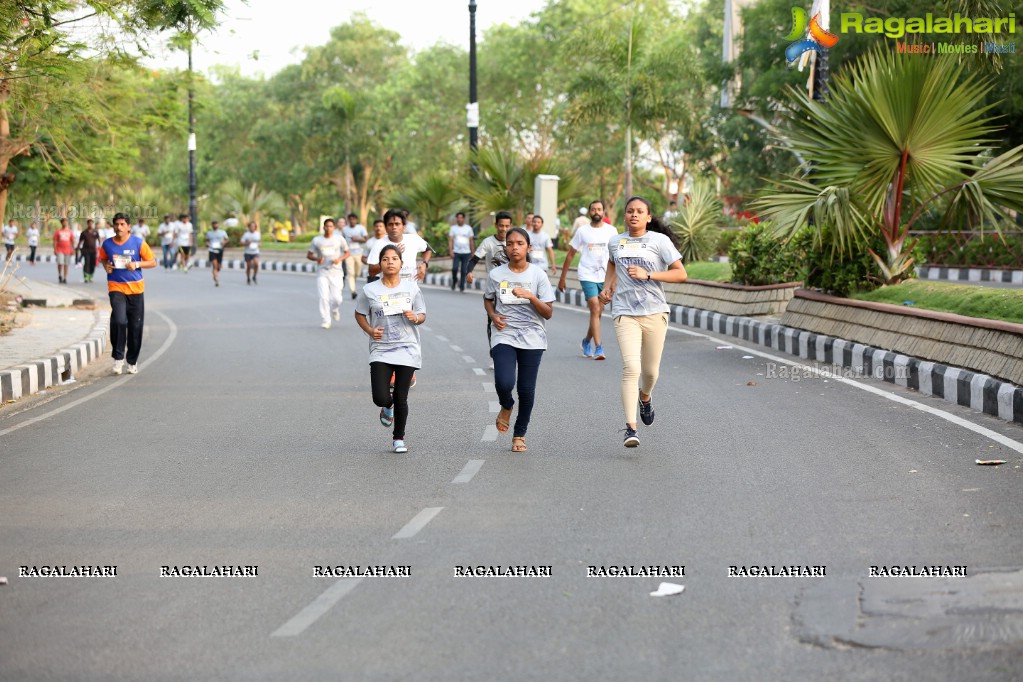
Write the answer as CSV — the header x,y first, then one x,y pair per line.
x,y
329,251
355,235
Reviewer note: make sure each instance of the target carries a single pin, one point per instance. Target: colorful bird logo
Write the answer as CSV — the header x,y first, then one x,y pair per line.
x,y
815,38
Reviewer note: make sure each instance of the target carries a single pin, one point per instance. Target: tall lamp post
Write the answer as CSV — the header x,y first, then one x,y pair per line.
x,y
193,207
472,109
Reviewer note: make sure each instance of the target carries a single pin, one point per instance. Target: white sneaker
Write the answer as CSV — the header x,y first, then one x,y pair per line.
x,y
118,366
133,369
325,325
336,314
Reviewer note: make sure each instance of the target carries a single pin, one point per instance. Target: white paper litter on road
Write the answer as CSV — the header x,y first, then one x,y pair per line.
x,y
747,357
3,581
725,347
991,462
667,589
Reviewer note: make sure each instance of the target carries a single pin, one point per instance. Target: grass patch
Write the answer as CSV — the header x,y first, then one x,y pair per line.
x,y
973,301
710,272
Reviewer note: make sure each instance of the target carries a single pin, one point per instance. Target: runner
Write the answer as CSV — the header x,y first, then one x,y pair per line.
x,y
184,235
63,249
88,245
355,235
123,257
329,251
461,244
250,240
166,232
216,241
379,232
10,234
140,229
390,311
641,260
33,242
591,241
541,248
517,300
491,252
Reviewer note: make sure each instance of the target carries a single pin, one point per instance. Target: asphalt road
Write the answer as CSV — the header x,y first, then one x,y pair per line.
x,y
249,439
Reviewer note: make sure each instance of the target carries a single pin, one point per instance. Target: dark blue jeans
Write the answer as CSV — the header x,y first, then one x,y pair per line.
x,y
127,316
459,269
506,360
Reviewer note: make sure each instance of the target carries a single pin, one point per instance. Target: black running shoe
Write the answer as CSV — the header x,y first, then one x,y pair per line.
x,y
646,411
631,439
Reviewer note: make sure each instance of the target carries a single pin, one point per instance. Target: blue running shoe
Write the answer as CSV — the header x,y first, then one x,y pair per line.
x,y
386,416
598,353
587,346
631,439
646,411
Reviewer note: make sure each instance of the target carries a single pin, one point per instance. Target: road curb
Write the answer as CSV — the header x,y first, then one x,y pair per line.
x,y
943,274
37,375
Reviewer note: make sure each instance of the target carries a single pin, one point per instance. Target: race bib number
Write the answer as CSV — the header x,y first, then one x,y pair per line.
x,y
330,252
395,304
120,261
508,298
214,246
633,248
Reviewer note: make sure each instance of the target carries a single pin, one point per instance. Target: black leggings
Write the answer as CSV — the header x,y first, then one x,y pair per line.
x,y
380,380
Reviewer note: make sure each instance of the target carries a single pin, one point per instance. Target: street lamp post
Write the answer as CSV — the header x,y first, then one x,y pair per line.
x,y
473,108
193,208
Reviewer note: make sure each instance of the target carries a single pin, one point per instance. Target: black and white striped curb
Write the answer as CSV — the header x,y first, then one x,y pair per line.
x,y
37,375
953,384
970,275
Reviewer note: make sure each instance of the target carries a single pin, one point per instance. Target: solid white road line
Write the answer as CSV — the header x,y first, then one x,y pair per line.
x,y
489,434
317,608
947,416
479,371
109,387
468,471
417,523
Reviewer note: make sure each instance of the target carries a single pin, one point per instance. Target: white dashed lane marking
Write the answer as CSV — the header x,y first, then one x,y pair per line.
x,y
468,471
489,434
317,608
417,523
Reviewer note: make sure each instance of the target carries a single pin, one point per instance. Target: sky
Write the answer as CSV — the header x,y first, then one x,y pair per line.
x,y
263,36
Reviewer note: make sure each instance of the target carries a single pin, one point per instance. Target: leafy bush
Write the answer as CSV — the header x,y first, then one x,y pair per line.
x,y
839,276
758,257
725,240
437,237
698,224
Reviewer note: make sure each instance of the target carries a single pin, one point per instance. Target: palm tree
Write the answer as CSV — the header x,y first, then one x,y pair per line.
x,y
250,203
900,136
429,197
505,181
698,223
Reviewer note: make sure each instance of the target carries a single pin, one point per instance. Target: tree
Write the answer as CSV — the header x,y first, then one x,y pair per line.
x,y
250,203
505,181
898,136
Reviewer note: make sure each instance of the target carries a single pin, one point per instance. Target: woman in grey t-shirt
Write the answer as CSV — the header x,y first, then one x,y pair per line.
x,y
518,300
640,260
390,311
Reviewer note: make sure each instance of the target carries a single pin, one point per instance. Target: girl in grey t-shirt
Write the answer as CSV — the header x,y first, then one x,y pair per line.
x,y
518,300
390,311
640,261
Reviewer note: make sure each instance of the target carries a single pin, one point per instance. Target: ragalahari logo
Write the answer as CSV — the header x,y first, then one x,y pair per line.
x,y
813,37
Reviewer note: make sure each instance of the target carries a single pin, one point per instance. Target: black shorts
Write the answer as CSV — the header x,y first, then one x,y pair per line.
x,y
186,250
217,256
250,256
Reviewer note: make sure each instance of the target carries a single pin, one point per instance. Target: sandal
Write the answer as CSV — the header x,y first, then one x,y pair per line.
x,y
503,422
519,444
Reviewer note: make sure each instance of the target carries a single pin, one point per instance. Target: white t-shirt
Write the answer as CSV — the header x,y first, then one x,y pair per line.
x,y
384,307
216,240
410,245
10,232
166,232
539,242
33,236
411,228
653,252
250,240
524,326
591,243
140,231
461,238
329,249
185,234
349,233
